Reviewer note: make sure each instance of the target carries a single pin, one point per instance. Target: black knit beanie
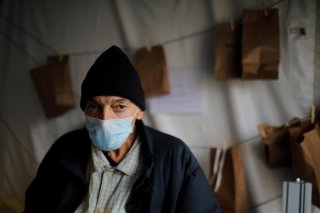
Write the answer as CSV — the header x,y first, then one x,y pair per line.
x,y
112,74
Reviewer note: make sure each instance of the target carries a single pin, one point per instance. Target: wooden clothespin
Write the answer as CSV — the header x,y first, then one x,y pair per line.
x,y
147,43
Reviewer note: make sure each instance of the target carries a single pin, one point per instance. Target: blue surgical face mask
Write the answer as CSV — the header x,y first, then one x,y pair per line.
x,y
110,134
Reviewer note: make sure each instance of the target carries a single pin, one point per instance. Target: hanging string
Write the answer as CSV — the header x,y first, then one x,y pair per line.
x,y
274,4
19,47
249,140
133,49
36,39
52,50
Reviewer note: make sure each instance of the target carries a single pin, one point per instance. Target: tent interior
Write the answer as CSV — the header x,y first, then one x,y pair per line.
x,y
203,111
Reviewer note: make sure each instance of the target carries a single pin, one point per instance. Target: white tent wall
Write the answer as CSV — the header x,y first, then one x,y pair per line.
x,y
31,30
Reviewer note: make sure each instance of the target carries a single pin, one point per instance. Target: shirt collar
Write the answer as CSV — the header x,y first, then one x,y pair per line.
x,y
128,165
131,162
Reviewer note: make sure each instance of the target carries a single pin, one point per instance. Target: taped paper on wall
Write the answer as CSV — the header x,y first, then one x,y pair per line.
x,y
187,94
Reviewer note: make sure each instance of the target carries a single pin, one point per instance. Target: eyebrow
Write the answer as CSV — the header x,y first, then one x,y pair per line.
x,y
113,101
92,100
119,100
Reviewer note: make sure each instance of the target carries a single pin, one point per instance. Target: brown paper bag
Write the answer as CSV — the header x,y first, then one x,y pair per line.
x,y
276,143
231,193
300,168
54,87
311,153
260,44
227,59
152,68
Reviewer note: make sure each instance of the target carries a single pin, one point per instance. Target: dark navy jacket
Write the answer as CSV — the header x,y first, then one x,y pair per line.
x,y
172,181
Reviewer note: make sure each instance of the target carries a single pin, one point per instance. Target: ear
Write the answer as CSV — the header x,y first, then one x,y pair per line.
x,y
139,115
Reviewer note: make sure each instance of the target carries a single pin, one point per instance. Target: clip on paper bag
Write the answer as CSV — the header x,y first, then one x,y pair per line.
x,y
54,87
260,44
227,59
227,179
152,68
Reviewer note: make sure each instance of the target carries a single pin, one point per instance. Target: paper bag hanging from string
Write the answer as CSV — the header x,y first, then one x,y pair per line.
x,y
311,149
301,168
54,87
227,59
227,179
260,44
152,68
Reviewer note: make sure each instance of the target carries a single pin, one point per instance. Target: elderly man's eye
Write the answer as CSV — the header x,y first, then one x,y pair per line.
x,y
119,108
91,106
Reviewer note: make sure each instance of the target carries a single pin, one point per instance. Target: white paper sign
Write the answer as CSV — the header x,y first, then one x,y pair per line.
x,y
187,94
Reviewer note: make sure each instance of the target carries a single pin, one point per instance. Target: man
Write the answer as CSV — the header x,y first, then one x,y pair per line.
x,y
116,163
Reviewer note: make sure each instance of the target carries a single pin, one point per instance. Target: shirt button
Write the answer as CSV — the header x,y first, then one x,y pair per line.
x,y
100,210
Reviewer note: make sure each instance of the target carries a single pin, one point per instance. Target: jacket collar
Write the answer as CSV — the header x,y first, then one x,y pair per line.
x,y
147,145
76,158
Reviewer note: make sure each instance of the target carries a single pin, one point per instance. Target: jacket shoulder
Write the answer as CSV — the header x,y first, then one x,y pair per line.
x,y
72,140
70,146
78,134
166,146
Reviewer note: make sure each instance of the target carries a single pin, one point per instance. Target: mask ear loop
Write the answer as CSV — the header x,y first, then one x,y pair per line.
x,y
136,112
134,115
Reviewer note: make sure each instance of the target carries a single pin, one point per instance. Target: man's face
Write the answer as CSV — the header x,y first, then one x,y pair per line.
x,y
111,107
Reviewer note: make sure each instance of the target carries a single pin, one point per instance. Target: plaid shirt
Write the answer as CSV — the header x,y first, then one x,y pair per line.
x,y
110,187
